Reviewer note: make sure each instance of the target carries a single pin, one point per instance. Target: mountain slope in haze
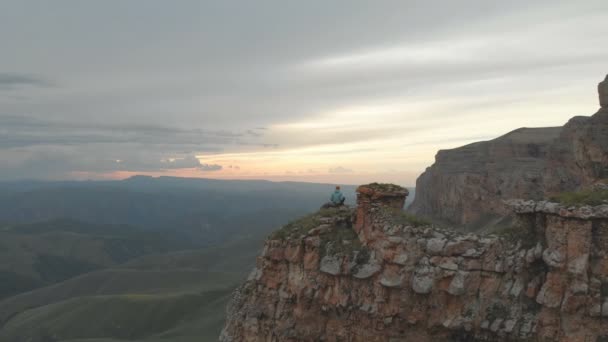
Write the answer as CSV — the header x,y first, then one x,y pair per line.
x,y
43,253
166,283
206,211
466,185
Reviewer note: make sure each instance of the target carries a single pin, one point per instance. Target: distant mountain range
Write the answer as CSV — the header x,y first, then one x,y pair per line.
x,y
205,211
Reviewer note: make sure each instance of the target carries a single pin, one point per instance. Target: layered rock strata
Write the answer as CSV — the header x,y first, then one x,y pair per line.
x,y
395,279
466,185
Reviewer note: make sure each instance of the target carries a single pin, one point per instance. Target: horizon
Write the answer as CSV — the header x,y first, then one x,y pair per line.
x,y
187,178
354,93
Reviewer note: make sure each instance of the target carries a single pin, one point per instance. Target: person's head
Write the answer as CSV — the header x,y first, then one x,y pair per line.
x,y
337,187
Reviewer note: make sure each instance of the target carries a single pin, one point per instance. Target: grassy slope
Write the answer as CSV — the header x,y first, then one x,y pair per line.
x,y
580,198
205,277
34,255
119,316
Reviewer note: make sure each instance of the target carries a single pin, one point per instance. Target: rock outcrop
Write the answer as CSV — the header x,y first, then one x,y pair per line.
x,y
377,274
603,90
466,185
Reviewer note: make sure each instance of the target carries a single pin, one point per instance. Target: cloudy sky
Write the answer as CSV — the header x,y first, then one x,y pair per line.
x,y
333,91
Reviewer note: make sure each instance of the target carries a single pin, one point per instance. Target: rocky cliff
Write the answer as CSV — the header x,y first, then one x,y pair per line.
x,y
466,185
377,274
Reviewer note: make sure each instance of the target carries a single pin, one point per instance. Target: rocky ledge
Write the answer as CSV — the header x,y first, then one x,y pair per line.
x,y
375,273
585,212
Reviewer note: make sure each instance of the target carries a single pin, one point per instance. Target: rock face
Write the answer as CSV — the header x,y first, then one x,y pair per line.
x,y
603,90
466,185
396,280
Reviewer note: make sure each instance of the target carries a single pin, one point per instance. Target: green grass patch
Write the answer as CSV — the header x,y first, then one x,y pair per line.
x,y
581,198
339,239
385,187
516,233
304,224
398,216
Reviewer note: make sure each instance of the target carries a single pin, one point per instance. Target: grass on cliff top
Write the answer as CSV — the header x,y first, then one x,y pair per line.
x,y
385,187
581,198
398,216
304,224
337,240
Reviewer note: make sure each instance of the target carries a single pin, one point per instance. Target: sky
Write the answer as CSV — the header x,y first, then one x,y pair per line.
x,y
341,91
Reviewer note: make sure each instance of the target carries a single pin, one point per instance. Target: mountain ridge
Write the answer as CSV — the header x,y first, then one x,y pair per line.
x,y
466,185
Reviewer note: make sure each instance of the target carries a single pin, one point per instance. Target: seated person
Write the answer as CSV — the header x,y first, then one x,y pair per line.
x,y
337,198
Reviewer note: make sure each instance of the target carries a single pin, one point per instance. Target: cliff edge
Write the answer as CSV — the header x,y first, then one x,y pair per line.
x,y
375,273
466,185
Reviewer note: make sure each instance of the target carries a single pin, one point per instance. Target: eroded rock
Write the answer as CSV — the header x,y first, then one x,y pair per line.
x,y
437,282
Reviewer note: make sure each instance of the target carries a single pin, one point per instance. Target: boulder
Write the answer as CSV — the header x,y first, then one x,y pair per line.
x,y
331,265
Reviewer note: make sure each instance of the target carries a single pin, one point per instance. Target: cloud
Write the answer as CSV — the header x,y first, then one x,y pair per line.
x,y
210,167
245,88
21,131
340,169
13,80
180,163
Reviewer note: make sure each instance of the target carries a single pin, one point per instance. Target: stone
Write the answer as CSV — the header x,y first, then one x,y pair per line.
x,y
400,259
424,277
553,258
552,291
395,240
435,245
496,324
449,265
422,283
391,279
367,270
595,310
579,265
458,247
471,252
331,265
510,325
322,229
458,284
